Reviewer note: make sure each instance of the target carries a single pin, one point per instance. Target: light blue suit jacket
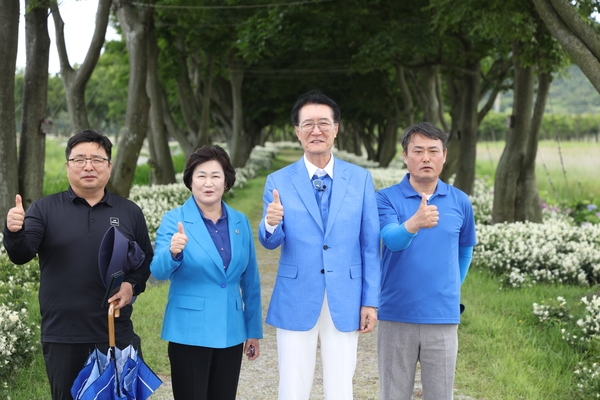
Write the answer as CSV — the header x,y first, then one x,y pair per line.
x,y
208,306
347,249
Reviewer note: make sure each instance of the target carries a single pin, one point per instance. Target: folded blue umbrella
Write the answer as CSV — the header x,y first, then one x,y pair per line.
x,y
97,380
120,374
138,380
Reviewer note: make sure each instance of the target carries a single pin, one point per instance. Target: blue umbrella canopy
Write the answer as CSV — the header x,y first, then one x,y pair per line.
x,y
120,374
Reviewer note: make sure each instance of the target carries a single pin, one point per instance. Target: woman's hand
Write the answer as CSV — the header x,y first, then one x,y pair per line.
x,y
178,241
252,349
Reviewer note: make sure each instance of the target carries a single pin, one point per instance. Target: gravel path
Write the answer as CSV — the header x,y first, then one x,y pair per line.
x,y
258,379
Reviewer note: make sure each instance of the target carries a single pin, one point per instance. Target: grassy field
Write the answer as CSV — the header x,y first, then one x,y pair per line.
x,y
565,171
504,353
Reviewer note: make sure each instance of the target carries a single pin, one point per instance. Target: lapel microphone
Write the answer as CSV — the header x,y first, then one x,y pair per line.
x,y
318,184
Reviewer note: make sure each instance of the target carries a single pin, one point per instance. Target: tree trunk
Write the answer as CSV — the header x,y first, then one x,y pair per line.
x,y
238,140
440,98
187,100
172,128
252,138
163,171
510,166
426,94
32,147
134,22
388,137
387,146
454,94
528,200
9,39
204,131
465,172
75,81
462,144
408,107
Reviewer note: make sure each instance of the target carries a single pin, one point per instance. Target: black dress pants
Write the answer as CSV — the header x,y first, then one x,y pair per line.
x,y
205,373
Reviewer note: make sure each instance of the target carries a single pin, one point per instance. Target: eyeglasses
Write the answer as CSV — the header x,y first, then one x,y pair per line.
x,y
324,126
95,161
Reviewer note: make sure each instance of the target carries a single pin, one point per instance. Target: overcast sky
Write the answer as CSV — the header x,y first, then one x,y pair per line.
x,y
79,18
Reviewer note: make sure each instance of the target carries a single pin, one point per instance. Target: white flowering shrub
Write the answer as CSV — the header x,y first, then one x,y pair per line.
x,y
261,158
285,145
384,177
354,159
588,380
482,201
583,336
17,340
553,310
156,200
525,253
590,324
18,331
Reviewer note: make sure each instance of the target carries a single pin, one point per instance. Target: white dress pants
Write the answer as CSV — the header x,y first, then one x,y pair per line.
x,y
297,352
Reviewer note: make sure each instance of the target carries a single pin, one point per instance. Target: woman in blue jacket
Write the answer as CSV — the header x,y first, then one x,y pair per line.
x,y
213,314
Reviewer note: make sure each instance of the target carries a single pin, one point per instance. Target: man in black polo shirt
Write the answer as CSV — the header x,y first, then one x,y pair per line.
x,y
65,229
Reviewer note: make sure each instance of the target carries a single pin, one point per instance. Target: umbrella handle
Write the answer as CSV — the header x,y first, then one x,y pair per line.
x,y
112,313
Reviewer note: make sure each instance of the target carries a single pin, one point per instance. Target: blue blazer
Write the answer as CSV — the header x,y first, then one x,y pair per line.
x,y
208,306
347,249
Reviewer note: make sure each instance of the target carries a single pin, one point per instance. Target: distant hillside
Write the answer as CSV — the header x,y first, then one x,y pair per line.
x,y
570,93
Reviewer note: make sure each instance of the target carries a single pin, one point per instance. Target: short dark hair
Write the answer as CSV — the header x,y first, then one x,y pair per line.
x,y
89,136
314,97
209,153
426,129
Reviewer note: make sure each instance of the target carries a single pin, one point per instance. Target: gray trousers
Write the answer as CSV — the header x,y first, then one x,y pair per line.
x,y
401,345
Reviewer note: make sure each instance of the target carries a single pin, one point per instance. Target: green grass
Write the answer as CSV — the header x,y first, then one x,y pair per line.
x,y
32,382
565,171
504,353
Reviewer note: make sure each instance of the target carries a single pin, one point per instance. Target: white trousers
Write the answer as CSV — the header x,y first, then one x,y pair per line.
x,y
297,352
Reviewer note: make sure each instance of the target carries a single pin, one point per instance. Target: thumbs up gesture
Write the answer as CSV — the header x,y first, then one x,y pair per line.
x,y
16,216
426,216
275,210
178,241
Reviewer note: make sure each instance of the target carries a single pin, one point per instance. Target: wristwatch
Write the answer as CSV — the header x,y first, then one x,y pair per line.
x,y
134,287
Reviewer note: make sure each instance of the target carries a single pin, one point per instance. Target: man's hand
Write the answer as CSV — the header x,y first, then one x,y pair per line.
x,y
122,297
178,241
427,216
16,216
274,210
368,319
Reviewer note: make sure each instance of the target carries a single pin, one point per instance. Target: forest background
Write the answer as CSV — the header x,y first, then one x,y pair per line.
x,y
200,72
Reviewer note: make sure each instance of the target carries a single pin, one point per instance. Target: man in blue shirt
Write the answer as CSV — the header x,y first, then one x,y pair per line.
x,y
428,234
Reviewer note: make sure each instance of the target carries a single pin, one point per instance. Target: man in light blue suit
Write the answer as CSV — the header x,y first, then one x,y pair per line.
x,y
323,213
